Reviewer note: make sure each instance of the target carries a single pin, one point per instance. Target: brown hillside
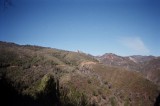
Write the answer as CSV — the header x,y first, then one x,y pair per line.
x,y
38,76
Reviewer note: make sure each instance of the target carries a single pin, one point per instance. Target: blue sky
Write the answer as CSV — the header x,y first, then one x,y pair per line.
x,y
123,27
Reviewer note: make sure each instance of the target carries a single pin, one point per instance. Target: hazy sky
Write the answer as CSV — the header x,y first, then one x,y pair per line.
x,y
124,27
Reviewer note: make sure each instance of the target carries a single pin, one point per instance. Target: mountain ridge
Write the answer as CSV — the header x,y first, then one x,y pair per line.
x,y
45,76
135,63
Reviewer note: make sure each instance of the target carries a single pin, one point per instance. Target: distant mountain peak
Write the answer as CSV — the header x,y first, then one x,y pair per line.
x,y
110,54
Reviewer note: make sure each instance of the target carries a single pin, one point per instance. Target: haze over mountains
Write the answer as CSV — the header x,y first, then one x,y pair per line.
x,y
39,76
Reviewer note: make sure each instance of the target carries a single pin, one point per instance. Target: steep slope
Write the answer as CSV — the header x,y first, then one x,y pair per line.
x,y
152,70
35,72
115,86
135,62
39,76
147,65
111,59
142,59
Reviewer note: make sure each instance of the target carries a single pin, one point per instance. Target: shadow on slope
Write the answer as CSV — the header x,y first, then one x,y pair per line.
x,y
157,103
10,97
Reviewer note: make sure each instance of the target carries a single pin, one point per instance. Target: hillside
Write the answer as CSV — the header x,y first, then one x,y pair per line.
x,y
39,76
135,62
152,70
111,59
147,65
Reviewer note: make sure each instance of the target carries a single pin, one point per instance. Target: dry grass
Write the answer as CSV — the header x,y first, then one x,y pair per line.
x,y
76,77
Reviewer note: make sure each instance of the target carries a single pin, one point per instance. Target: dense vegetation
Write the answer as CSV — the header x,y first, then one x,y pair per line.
x,y
38,76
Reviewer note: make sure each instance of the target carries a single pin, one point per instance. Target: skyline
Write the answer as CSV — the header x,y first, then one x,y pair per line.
x,y
95,27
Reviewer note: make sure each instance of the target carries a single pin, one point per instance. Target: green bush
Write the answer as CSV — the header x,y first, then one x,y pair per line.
x,y
73,97
95,93
113,102
89,81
